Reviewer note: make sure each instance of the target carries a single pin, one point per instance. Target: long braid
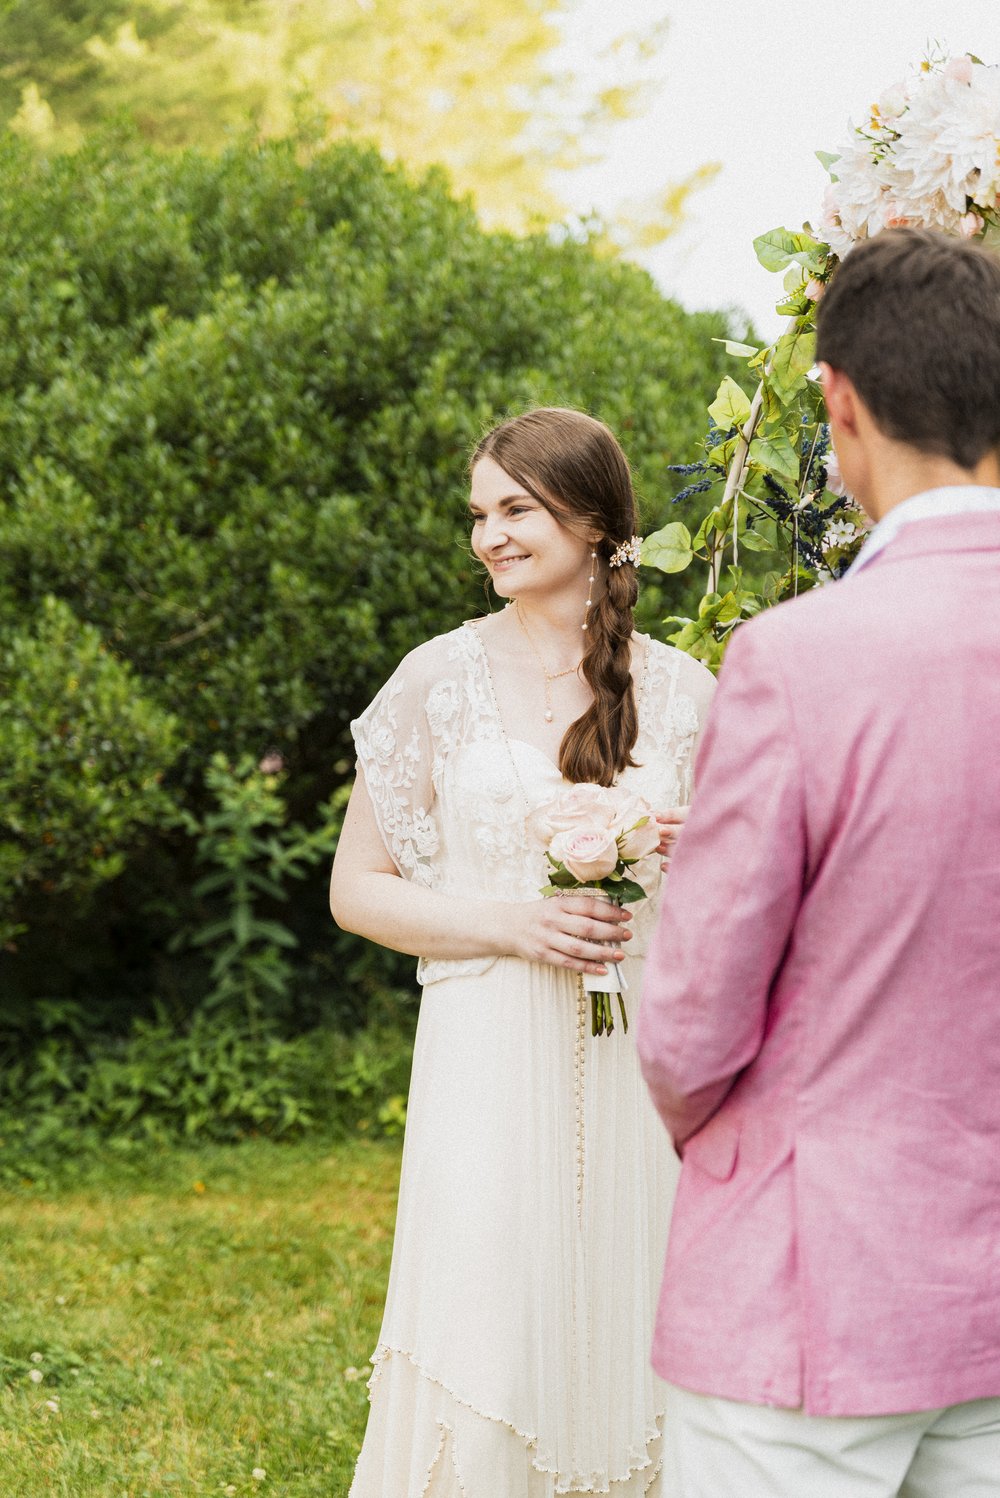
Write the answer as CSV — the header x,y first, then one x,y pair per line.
x,y
598,746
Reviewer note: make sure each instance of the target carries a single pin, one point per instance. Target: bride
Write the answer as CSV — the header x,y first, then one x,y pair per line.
x,y
536,1179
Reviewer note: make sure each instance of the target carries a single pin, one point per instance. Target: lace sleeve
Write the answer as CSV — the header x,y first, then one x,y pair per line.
x,y
679,694
396,754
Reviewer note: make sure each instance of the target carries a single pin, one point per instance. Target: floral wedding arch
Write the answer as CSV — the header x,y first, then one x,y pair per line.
x,y
928,154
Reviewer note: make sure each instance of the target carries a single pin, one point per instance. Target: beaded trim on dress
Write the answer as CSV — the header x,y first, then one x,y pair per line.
x,y
448,1443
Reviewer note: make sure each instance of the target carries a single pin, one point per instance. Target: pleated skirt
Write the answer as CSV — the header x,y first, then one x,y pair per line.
x,y
534,1204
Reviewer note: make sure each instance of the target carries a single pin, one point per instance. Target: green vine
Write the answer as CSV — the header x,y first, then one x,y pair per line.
x,y
779,520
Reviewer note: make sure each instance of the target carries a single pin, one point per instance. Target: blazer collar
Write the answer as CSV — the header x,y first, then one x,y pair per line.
x,y
939,514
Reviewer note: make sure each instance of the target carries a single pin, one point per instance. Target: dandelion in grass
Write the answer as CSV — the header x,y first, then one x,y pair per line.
x,y
36,1375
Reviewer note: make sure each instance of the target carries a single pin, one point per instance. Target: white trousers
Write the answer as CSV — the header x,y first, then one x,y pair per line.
x,y
724,1449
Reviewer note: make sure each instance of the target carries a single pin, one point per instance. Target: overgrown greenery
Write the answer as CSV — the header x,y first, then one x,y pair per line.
x,y
173,1324
237,396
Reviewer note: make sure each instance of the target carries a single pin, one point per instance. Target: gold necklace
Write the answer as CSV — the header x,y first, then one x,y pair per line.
x,y
547,676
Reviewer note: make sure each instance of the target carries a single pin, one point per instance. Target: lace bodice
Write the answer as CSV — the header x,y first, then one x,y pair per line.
x,y
451,792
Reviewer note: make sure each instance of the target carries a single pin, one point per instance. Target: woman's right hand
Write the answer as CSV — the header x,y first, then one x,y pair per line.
x,y
570,931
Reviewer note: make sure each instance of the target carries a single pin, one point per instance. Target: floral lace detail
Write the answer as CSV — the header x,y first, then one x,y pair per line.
x,y
449,791
668,720
392,758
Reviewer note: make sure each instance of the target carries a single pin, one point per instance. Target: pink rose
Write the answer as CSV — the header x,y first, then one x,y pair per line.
x,y
647,873
970,224
639,839
814,289
580,806
588,853
959,69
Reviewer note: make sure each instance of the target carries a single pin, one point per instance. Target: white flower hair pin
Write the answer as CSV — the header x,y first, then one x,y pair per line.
x,y
627,551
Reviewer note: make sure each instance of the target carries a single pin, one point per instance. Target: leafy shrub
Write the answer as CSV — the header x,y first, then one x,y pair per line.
x,y
82,755
215,1079
237,396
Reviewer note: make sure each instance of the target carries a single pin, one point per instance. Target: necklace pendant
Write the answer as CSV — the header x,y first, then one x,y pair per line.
x,y
548,715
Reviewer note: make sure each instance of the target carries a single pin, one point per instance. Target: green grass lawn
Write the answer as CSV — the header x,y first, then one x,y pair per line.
x,y
187,1326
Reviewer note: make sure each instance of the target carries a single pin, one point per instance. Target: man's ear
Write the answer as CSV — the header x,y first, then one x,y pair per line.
x,y
842,400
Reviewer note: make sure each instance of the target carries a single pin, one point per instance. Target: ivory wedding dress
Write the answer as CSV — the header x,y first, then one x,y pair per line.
x,y
537,1180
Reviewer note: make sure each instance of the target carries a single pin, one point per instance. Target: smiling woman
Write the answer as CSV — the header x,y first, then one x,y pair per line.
x,y
536,1182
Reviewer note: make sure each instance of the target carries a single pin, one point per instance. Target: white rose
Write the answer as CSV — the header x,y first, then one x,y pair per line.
x,y
893,102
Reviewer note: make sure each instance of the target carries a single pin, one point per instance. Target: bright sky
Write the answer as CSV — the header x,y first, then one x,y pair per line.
x,y
759,87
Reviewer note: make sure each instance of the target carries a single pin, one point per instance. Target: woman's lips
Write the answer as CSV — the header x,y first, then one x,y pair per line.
x,y
501,564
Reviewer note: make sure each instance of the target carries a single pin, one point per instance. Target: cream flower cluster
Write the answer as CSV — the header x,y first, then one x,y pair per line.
x,y
929,156
596,833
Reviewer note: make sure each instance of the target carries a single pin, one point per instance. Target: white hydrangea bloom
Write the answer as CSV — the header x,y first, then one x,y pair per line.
x,y
930,156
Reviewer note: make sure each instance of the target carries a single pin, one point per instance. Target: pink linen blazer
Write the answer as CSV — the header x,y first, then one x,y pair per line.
x,y
820,1024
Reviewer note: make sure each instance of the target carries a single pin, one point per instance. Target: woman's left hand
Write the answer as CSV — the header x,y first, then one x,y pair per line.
x,y
670,823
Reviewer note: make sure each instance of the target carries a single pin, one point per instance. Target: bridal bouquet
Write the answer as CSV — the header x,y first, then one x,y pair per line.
x,y
599,841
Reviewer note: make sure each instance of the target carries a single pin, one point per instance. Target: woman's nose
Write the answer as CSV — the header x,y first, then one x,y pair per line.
x,y
494,532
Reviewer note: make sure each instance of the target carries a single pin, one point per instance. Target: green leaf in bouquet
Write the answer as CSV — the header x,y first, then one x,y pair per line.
x,y
722,455
770,588
690,634
738,350
753,541
774,406
631,891
668,549
731,406
779,247
828,160
776,455
718,520
794,355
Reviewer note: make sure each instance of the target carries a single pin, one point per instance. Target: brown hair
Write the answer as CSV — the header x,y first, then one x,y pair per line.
x,y
912,317
572,464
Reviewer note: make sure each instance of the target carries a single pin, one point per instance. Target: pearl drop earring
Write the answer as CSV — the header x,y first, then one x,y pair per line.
x,y
590,591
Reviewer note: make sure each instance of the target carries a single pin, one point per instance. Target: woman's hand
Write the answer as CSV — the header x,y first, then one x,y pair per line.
x,y
570,931
670,823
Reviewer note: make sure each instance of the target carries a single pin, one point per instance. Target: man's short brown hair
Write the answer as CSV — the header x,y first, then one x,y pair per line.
x,y
912,317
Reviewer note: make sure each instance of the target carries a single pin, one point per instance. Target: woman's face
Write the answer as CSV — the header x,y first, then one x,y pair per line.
x,y
527,551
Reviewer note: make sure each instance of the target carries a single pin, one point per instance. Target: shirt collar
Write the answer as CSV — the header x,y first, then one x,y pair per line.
x,y
959,499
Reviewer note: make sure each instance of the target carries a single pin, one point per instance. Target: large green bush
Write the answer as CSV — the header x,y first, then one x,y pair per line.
x,y
237,396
